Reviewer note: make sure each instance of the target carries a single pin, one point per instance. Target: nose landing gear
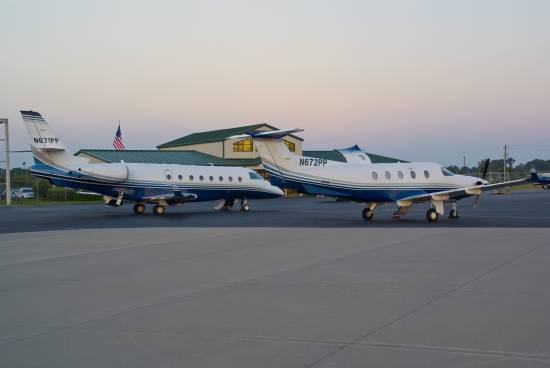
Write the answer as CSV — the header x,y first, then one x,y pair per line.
x,y
453,213
368,211
245,207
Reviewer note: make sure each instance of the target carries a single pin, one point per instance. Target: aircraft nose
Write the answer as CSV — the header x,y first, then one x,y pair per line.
x,y
277,191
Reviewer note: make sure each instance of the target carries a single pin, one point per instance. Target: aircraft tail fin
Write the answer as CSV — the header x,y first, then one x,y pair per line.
x,y
276,156
45,143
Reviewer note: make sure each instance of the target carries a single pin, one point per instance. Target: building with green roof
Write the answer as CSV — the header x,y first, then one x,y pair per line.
x,y
215,147
220,143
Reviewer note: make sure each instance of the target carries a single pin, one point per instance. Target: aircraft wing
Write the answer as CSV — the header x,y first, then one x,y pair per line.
x,y
172,197
447,195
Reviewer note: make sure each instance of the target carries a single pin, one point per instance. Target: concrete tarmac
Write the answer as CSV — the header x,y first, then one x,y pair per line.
x,y
325,291
521,209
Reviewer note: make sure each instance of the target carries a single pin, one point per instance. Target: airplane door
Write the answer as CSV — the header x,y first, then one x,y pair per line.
x,y
168,177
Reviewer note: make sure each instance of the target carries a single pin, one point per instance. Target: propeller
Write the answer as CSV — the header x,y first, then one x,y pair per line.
x,y
484,172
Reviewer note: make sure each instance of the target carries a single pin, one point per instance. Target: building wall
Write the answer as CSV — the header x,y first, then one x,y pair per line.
x,y
228,146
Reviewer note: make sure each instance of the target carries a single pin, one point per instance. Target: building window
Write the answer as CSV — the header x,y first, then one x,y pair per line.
x,y
375,175
426,174
400,174
191,177
291,146
388,175
244,145
413,174
180,178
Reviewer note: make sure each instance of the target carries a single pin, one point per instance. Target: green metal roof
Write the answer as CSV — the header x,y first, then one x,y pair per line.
x,y
337,156
190,157
215,136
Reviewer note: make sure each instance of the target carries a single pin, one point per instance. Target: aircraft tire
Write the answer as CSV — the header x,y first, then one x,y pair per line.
x,y
245,207
432,215
159,210
453,214
367,214
139,208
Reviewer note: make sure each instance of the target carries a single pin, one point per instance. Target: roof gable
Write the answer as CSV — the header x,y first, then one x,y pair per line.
x,y
211,136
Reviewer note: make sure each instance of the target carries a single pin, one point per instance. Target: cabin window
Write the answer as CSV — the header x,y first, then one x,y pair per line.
x,y
291,146
400,174
230,178
191,177
211,178
201,178
388,175
446,172
254,176
180,178
244,145
426,174
240,179
375,175
168,177
413,174
221,178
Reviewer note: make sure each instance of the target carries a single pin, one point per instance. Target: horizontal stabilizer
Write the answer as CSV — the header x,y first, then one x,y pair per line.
x,y
271,134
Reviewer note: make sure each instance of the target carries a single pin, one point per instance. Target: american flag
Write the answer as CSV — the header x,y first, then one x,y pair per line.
x,y
117,143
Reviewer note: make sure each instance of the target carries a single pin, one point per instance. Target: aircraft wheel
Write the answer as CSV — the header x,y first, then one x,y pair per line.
x,y
432,215
159,210
545,186
367,214
453,214
245,207
139,208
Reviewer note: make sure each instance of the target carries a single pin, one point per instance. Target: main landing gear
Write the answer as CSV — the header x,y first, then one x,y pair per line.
x,y
159,210
139,208
432,215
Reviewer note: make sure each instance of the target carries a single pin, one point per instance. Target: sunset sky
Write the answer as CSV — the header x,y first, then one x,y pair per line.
x,y
419,80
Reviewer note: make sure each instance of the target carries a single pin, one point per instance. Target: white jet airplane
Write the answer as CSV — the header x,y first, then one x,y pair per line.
x,y
159,184
370,183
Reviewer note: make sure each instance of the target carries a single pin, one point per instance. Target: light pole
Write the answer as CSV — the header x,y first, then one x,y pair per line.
x,y
7,146
464,162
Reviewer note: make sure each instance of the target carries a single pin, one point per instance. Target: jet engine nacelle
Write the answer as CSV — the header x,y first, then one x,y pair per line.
x,y
114,171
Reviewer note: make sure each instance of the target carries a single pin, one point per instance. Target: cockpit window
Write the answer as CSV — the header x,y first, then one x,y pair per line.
x,y
254,176
446,172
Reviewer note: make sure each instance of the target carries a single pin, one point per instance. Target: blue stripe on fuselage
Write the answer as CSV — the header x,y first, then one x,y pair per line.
x,y
136,191
365,194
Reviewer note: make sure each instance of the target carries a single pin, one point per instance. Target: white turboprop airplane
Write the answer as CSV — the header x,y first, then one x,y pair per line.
x,y
363,181
159,184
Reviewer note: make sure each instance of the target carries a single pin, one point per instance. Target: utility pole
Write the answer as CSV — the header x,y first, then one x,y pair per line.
x,y
504,165
7,146
464,162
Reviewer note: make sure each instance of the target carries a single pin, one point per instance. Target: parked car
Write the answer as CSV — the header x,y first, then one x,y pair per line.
x,y
23,193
